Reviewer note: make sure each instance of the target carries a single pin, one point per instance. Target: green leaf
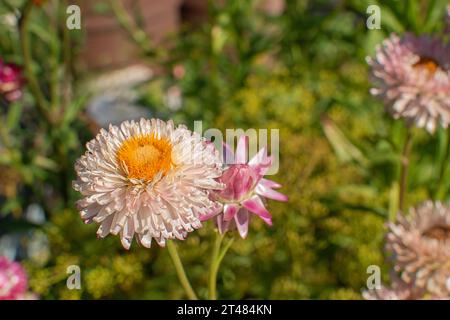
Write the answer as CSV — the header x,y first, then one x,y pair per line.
x,y
74,108
45,163
435,14
42,33
10,205
389,17
393,201
413,12
390,20
345,150
13,117
373,38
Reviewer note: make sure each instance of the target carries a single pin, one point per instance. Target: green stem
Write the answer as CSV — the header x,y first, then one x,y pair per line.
x,y
442,170
404,166
180,270
5,139
127,23
67,57
216,259
54,84
27,61
213,269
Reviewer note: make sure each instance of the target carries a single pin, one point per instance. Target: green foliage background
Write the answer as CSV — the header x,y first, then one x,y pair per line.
x,y
299,72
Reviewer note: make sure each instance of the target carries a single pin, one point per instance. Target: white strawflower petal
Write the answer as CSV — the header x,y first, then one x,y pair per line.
x,y
147,179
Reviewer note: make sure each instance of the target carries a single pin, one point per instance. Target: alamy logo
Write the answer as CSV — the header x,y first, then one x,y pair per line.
x,y
74,280
258,139
374,280
74,17
374,20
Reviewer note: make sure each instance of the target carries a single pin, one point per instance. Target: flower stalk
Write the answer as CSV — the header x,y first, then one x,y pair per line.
x,y
216,259
404,167
27,61
440,186
182,277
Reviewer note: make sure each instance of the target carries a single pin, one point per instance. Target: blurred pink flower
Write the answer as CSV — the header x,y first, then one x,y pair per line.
x,y
420,247
13,280
399,290
174,98
412,75
244,189
11,81
178,71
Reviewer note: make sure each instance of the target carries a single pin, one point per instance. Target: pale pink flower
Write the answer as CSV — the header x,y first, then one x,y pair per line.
x,y
412,75
420,248
399,290
147,179
245,189
13,280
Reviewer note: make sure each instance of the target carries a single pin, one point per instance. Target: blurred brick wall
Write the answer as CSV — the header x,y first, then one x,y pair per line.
x,y
194,11
107,46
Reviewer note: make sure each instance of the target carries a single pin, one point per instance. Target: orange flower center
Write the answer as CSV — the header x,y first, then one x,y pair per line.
x,y
145,156
428,64
438,233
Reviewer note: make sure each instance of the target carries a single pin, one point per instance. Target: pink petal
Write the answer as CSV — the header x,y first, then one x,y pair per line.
x,y
271,194
214,212
228,154
255,205
259,157
222,225
207,216
269,183
243,183
261,162
241,150
242,219
230,211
